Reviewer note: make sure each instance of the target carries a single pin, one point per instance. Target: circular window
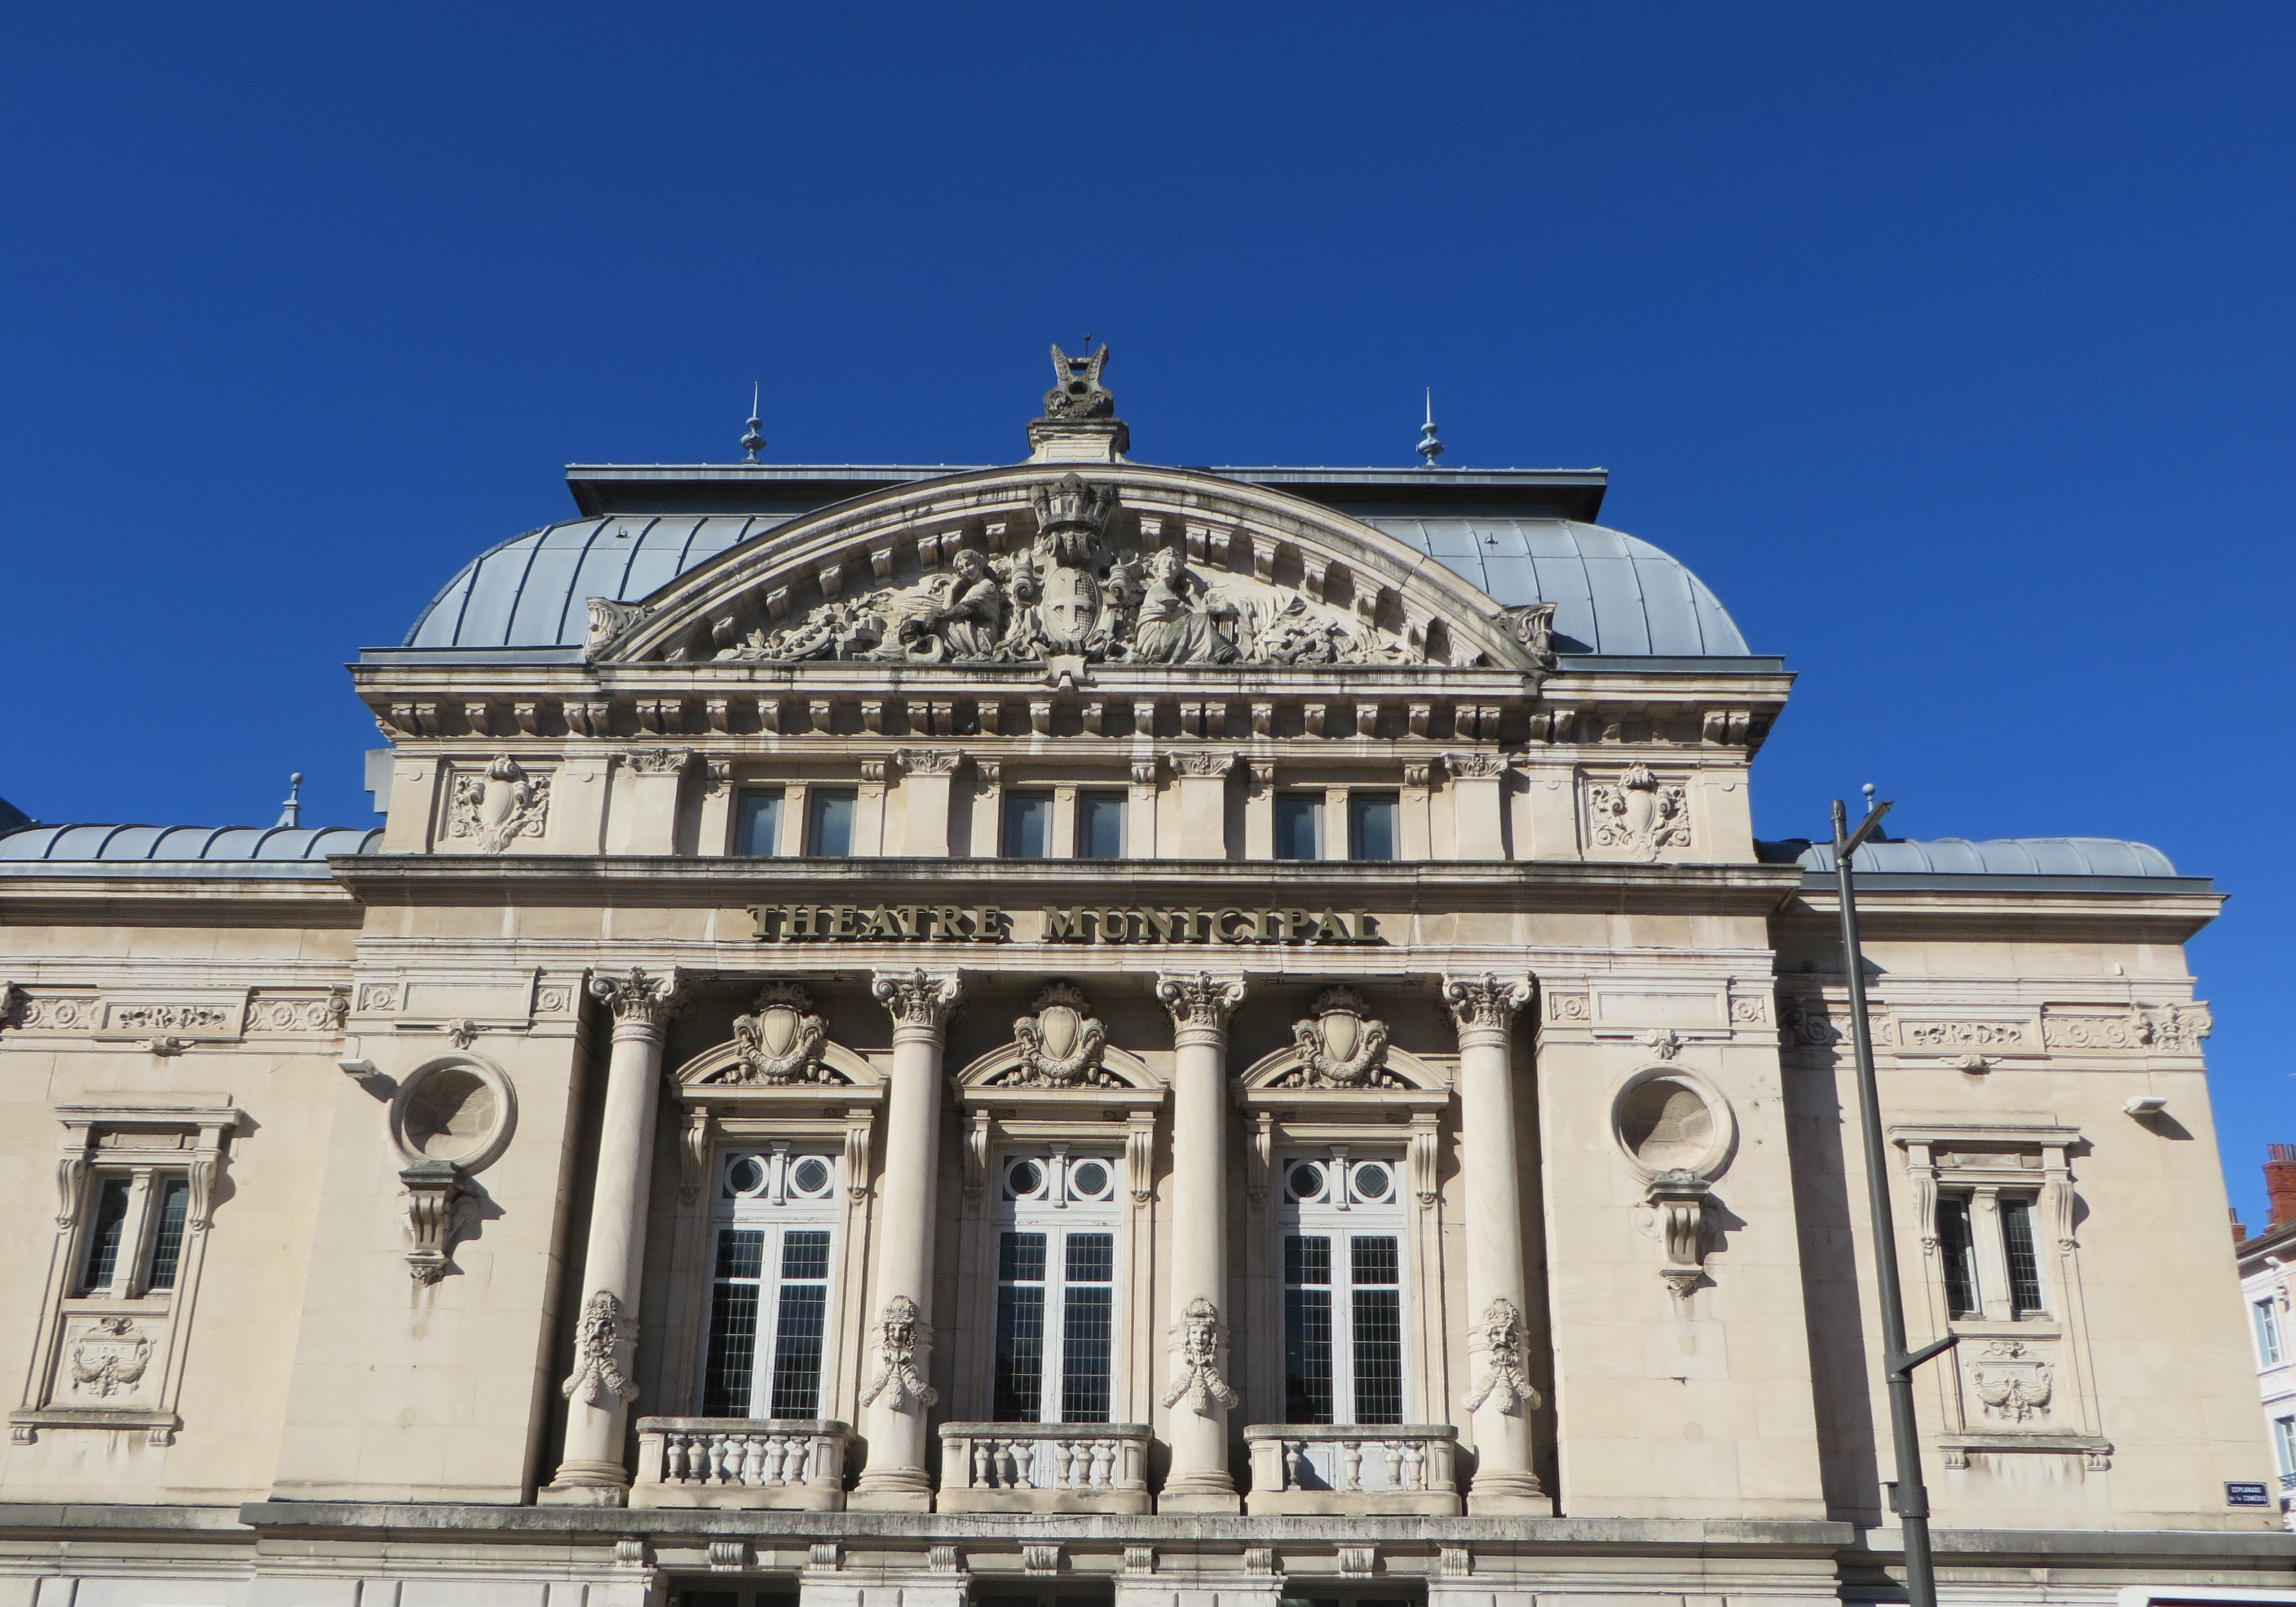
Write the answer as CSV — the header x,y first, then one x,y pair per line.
x,y
1304,1182
1670,1120
457,1111
1023,1180
1373,1182
746,1176
1089,1179
809,1176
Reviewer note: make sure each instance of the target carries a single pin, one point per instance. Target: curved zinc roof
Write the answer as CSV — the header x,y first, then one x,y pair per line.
x,y
1997,856
182,844
529,591
1613,594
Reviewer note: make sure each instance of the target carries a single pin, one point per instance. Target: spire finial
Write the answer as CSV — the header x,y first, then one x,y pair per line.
x,y
1430,448
291,812
752,442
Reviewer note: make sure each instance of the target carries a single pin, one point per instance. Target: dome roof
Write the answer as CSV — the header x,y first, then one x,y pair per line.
x,y
182,844
1613,594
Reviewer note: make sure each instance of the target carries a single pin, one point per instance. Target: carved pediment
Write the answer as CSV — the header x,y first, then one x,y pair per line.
x,y
1036,566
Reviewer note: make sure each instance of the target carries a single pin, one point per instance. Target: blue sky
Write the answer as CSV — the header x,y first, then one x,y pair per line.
x,y
1951,344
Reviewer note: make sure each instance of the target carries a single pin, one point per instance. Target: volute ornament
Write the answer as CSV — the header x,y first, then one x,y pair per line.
x,y
1341,1046
1061,1043
781,1040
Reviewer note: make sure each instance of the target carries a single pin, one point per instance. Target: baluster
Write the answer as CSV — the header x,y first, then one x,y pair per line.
x,y
776,1468
1351,1466
1414,1465
980,1475
1024,1463
673,1459
718,1461
753,1458
1295,1464
1103,1464
1064,1465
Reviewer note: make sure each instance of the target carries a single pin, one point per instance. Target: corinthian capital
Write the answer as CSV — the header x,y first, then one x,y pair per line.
x,y
921,999
1486,1004
642,998
1202,1001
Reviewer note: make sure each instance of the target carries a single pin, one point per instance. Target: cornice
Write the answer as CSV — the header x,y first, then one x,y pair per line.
x,y
118,897
1955,909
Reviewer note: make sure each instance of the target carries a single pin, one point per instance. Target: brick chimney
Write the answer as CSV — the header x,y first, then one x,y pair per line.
x,y
2280,1183
2239,1233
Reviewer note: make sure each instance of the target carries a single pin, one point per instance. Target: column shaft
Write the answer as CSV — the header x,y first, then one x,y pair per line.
x,y
1500,1399
895,1403
599,1391
1199,1398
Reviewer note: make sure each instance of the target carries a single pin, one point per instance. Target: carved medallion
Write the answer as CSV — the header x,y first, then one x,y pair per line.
x,y
783,1041
110,1357
1341,1046
500,806
1639,813
2012,1383
1060,1046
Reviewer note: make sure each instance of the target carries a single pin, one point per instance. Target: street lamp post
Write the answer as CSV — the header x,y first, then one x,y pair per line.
x,y
1913,1501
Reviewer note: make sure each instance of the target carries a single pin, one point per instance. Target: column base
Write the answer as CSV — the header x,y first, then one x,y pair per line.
x,y
894,1490
587,1484
1200,1493
1497,1494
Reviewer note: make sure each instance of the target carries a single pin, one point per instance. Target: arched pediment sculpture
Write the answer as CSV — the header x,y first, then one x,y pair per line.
x,y
1339,1048
1006,1070
1061,1046
1034,565
780,1043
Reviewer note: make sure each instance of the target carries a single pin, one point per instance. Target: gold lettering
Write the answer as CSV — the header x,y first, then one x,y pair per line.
x,y
1333,927
1299,926
888,924
1227,934
1067,926
1164,925
841,917
805,922
1115,926
763,914
1367,930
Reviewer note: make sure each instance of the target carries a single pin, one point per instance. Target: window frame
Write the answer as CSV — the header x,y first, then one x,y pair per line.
x,y
1315,806
1089,800
2270,1333
816,799
1007,822
744,800
1344,1220
773,1211
1060,1214
1358,799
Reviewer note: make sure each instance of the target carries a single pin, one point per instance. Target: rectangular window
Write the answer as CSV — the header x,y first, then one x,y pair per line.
x,y
2283,1445
1959,1252
167,1233
2270,1351
2024,1267
798,1326
1343,1328
1089,1328
1100,825
829,823
1371,825
769,1311
1299,825
1020,1386
1027,824
104,1234
731,1361
758,824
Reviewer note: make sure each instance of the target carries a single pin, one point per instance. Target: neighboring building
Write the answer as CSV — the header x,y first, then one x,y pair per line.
x,y
2264,1262
1084,1033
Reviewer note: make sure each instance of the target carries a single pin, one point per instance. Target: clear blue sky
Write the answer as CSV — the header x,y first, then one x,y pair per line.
x,y
1951,344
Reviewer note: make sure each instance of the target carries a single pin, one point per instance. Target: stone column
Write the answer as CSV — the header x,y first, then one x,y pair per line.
x,y
894,1401
1198,1397
598,1393
1500,1398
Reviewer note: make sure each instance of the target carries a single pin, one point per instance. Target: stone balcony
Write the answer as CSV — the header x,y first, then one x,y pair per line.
x,y
741,1462
1312,1469
1043,1467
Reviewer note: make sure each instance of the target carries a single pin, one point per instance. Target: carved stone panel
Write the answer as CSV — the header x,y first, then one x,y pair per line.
x,y
1635,815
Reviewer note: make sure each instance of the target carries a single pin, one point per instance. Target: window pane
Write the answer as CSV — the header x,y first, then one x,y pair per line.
x,y
2283,1441
1088,1328
757,827
1306,1356
1019,1353
1960,1257
104,1234
1371,825
1379,1354
1092,1258
1020,1257
167,1233
1299,825
829,833
2267,1333
797,1347
1307,1259
1100,825
1028,820
2024,1270
805,1253
1372,1260
733,1346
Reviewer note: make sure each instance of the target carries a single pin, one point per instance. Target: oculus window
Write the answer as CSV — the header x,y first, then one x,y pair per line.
x,y
770,1266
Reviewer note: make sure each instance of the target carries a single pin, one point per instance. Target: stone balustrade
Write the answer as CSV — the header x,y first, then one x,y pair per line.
x,y
1043,1467
1316,1468
741,1462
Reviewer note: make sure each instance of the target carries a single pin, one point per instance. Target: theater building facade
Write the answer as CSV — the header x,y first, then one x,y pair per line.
x,y
1085,1033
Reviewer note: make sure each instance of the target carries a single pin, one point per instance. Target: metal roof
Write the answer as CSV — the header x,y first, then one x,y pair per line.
x,y
1614,594
1996,857
184,844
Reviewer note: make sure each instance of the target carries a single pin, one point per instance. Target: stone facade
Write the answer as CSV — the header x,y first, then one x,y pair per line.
x,y
1092,1031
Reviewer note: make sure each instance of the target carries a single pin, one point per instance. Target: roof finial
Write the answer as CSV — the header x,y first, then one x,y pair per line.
x,y
1430,447
291,812
752,442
